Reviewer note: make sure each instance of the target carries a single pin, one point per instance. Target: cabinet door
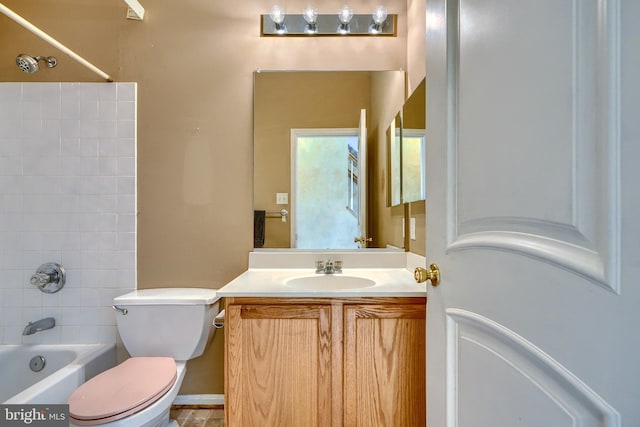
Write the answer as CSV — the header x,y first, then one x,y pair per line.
x,y
384,369
279,359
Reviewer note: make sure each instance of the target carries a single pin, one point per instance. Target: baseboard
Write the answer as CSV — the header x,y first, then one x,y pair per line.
x,y
199,399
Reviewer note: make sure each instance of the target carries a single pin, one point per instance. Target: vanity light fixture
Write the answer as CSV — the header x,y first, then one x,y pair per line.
x,y
343,24
379,15
277,15
310,15
345,15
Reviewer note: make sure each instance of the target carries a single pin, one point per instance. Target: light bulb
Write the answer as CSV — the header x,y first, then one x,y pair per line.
x,y
310,15
277,15
344,15
379,15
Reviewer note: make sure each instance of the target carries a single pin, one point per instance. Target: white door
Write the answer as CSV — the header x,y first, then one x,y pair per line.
x,y
533,212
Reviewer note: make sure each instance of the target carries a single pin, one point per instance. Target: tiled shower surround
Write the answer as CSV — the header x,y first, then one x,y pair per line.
x,y
67,195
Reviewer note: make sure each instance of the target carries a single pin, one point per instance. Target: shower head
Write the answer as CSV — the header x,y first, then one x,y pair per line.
x,y
29,64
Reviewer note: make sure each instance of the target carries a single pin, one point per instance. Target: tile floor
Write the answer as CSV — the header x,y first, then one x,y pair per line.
x,y
188,416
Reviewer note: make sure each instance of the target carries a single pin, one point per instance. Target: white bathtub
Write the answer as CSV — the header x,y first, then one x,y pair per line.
x,y
67,366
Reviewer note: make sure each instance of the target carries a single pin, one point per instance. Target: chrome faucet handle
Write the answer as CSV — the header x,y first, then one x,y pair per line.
x,y
319,266
49,277
328,267
40,279
337,266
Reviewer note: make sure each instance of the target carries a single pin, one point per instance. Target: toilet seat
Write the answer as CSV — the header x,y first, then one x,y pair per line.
x,y
119,392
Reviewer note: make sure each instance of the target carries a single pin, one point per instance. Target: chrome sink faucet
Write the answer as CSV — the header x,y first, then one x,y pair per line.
x,y
328,267
39,325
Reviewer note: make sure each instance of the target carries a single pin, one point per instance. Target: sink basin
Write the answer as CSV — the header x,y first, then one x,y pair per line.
x,y
324,282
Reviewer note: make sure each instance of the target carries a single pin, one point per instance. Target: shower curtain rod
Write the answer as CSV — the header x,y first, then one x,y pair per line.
x,y
55,43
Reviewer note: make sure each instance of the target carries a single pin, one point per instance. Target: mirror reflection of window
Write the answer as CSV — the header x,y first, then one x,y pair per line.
x,y
413,172
413,146
321,218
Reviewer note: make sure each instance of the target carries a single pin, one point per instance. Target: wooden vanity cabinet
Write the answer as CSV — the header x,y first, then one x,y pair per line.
x,y
277,364
384,365
325,362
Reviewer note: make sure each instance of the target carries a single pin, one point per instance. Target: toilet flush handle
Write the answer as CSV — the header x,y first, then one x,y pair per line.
x,y
218,322
120,310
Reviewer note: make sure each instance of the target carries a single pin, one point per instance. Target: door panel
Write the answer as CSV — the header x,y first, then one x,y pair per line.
x,y
546,128
283,376
384,378
494,365
531,121
553,122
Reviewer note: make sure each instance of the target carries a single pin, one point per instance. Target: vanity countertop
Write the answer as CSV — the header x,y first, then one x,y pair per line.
x,y
270,282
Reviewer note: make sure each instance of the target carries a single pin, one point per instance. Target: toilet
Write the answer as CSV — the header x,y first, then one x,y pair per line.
x,y
161,329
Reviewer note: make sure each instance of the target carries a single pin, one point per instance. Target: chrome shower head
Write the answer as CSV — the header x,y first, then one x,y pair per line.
x,y
29,64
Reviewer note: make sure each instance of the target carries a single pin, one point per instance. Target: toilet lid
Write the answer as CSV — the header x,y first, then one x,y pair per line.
x,y
126,389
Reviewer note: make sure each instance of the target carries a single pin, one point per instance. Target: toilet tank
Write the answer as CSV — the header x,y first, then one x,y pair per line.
x,y
170,322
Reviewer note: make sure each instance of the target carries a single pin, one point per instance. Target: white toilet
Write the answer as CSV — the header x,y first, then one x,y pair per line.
x,y
161,329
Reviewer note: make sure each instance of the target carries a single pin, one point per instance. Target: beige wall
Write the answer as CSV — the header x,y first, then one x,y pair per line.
x,y
194,62
416,71
416,43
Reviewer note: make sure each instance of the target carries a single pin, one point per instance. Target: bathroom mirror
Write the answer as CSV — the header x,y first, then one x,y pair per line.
x,y
406,148
394,148
413,146
286,102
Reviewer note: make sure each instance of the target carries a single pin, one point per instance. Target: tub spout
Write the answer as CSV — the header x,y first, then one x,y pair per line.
x,y
39,325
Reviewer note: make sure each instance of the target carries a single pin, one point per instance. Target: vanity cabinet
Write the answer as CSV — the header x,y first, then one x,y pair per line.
x,y
325,362
384,364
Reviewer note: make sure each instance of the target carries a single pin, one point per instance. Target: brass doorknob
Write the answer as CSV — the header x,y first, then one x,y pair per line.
x,y
432,274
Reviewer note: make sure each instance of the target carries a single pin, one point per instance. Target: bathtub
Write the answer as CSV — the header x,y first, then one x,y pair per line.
x,y
66,367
